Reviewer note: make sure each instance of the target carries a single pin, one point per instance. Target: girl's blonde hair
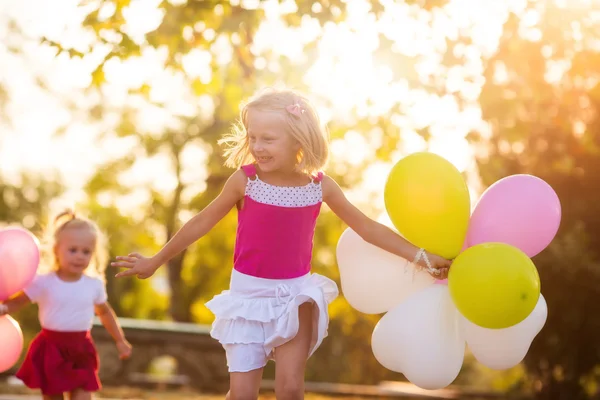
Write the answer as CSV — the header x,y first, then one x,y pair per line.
x,y
301,121
68,220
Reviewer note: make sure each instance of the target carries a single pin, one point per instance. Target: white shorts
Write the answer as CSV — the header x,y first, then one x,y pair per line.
x,y
256,315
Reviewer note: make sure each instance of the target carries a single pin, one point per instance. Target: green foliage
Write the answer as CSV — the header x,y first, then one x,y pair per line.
x,y
25,202
204,269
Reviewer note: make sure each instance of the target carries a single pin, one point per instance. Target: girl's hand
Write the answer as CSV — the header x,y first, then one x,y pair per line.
x,y
136,264
124,349
439,266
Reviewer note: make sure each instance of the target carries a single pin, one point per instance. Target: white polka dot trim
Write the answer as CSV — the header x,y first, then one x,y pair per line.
x,y
284,196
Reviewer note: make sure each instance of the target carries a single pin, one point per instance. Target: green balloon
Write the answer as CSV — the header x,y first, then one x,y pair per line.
x,y
494,285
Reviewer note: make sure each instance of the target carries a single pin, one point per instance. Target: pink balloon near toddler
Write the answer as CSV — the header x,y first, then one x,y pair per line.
x,y
19,259
519,210
11,338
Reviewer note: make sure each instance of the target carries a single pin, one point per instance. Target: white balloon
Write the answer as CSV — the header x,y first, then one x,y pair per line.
x,y
374,280
422,338
504,348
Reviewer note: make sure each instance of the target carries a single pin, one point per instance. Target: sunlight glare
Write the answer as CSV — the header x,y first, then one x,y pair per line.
x,y
348,72
133,203
141,17
154,172
194,173
196,64
353,148
452,148
290,41
344,72
223,50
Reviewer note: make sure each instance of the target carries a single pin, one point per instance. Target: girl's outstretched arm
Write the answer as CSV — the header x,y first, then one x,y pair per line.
x,y
372,231
194,229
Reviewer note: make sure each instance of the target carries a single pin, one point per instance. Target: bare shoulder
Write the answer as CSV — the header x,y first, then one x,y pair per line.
x,y
238,178
236,184
330,188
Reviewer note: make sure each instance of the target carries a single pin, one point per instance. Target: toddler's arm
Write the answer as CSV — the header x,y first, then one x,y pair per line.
x,y
111,324
14,304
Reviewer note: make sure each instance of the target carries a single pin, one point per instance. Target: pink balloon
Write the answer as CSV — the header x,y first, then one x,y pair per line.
x,y
12,342
520,210
19,260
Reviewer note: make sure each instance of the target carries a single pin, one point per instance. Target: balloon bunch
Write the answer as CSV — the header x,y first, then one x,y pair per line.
x,y
19,260
491,300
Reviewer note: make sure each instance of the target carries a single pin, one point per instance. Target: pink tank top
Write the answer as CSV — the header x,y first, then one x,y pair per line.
x,y
276,226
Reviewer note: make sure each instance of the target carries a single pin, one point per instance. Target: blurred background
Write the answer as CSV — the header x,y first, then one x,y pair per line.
x,y
115,107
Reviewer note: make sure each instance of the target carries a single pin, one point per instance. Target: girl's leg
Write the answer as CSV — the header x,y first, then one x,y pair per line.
x,y
291,358
244,385
80,394
55,397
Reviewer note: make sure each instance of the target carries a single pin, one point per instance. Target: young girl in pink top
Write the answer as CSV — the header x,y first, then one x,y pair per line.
x,y
68,290
275,307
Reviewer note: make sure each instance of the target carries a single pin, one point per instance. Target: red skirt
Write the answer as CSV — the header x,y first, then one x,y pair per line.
x,y
59,362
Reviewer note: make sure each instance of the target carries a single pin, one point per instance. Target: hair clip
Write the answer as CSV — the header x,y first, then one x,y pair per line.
x,y
295,109
67,213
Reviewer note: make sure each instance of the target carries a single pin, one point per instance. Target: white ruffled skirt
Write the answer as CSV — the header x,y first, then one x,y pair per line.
x,y
264,312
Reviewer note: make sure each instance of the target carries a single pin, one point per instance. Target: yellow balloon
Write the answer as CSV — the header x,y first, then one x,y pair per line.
x,y
494,285
427,199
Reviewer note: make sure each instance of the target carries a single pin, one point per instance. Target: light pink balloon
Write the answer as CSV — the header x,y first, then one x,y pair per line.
x,y
11,338
519,210
19,260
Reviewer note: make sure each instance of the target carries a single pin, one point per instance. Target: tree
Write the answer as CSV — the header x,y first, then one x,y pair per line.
x,y
222,33
25,201
541,100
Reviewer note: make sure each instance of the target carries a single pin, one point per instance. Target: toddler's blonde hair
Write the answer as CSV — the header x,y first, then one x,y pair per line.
x,y
302,123
68,220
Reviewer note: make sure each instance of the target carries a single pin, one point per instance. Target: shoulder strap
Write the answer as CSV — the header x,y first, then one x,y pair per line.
x,y
319,177
249,170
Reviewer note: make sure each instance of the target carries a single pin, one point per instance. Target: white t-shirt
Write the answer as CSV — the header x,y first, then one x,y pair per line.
x,y
66,306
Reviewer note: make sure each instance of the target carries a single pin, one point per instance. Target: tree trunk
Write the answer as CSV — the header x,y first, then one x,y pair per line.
x,y
561,390
178,307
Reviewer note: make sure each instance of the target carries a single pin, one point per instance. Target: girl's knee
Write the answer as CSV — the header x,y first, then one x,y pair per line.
x,y
289,389
241,395
80,395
